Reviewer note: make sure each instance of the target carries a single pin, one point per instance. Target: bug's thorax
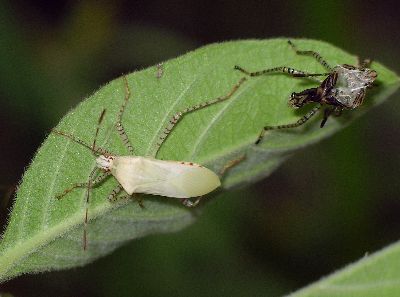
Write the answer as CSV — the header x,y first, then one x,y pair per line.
x,y
105,162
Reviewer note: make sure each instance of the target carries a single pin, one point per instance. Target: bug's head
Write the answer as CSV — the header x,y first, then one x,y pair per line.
x,y
300,99
105,162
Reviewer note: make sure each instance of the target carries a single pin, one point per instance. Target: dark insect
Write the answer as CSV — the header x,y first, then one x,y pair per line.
x,y
343,88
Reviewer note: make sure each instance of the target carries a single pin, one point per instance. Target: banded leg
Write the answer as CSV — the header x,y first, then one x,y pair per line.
x,y
177,117
92,183
300,122
112,197
282,69
316,55
118,125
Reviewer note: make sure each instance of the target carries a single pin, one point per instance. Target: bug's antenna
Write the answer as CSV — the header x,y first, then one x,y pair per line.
x,y
119,126
176,118
98,128
97,150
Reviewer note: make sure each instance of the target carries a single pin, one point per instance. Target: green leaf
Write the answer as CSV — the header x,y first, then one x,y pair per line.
x,y
373,275
46,234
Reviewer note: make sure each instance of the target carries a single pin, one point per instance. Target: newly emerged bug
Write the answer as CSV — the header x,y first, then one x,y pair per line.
x,y
343,88
136,174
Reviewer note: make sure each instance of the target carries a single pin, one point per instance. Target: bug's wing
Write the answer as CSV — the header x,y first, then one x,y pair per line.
x,y
164,178
191,181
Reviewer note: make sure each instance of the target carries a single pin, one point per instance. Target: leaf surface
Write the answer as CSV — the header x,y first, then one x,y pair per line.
x,y
374,275
46,234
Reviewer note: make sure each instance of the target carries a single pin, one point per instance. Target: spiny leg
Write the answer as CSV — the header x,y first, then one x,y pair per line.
x,y
282,69
314,54
175,119
112,197
300,122
119,126
94,182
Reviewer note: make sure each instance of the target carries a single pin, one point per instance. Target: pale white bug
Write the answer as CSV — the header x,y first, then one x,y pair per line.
x,y
137,174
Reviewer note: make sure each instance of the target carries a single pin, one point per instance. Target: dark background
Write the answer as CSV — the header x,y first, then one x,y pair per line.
x,y
325,207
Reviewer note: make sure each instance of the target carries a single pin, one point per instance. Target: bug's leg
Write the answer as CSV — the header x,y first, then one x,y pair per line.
x,y
189,203
327,112
160,70
363,63
94,182
112,197
177,117
231,163
138,198
118,125
283,69
300,122
337,111
89,185
314,54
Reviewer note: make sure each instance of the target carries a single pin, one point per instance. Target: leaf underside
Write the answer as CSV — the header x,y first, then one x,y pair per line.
x,y
46,234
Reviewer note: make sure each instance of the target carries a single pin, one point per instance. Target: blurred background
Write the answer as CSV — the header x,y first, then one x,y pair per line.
x,y
327,206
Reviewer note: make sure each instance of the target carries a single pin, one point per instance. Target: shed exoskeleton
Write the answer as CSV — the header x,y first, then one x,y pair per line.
x,y
344,88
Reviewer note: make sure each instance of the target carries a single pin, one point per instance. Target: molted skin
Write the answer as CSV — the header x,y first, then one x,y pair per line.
x,y
351,83
344,88
158,177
